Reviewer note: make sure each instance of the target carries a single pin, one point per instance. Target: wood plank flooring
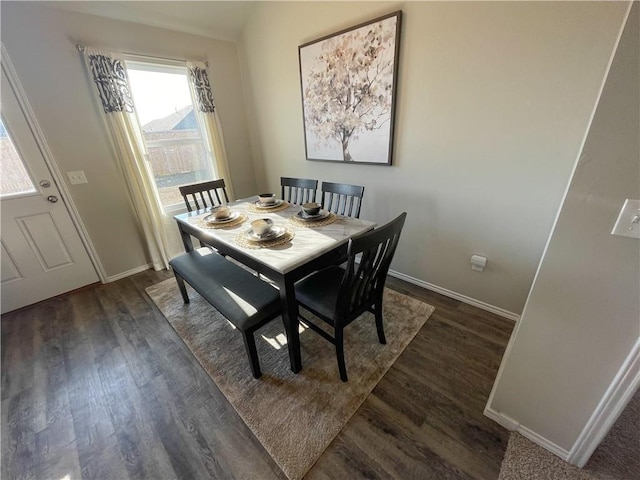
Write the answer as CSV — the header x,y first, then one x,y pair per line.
x,y
97,385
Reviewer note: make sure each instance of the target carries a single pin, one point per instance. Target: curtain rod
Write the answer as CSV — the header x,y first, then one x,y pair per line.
x,y
81,49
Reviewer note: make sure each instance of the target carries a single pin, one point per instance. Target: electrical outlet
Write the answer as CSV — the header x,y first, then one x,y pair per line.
x,y
77,177
628,223
478,262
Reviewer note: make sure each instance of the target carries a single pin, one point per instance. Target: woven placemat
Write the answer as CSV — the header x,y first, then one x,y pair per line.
x,y
233,223
252,207
332,217
246,243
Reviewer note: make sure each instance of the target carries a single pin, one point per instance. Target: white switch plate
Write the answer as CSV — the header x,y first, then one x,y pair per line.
x,y
77,177
628,223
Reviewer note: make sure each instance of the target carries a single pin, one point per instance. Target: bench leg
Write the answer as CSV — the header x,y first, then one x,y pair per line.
x,y
181,286
252,353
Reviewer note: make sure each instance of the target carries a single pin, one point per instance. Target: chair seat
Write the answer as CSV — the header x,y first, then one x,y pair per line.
x,y
319,292
242,298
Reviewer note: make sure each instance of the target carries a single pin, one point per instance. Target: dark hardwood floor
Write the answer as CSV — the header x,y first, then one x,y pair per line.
x,y
97,385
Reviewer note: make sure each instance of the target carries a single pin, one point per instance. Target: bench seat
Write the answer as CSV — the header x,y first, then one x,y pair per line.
x,y
245,300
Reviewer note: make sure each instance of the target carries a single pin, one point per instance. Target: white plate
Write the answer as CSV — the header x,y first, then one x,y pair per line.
x,y
312,218
217,221
262,206
276,232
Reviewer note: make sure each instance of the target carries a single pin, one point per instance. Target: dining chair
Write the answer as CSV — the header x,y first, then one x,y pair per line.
x,y
195,199
298,190
342,198
338,296
205,194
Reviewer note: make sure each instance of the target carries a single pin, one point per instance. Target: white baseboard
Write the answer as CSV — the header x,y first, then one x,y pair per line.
x,y
503,420
543,442
615,399
456,296
514,426
128,273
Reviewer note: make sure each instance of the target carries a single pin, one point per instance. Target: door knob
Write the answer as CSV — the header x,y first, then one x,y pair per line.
x,y
52,198
45,183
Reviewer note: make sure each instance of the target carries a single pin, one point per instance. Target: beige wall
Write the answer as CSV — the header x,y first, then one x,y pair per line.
x,y
493,103
583,316
41,44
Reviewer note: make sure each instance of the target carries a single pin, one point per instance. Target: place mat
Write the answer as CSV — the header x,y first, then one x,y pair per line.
x,y
332,217
294,416
254,209
233,223
246,243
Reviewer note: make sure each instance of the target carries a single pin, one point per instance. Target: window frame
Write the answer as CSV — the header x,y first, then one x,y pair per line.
x,y
26,168
160,65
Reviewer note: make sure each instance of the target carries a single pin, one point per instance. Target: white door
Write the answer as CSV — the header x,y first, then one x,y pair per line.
x,y
42,252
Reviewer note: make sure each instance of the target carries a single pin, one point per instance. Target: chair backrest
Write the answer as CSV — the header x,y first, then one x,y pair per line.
x,y
202,195
369,256
342,198
298,190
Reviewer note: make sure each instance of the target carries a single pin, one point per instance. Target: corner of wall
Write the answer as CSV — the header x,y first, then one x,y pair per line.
x,y
615,399
515,426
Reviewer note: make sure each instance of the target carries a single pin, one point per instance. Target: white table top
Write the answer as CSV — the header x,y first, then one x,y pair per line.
x,y
308,243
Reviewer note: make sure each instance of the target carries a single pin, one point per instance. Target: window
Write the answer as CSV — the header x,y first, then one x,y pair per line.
x,y
174,139
15,179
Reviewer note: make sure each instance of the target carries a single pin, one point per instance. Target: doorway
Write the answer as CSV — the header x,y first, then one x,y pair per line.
x,y
42,253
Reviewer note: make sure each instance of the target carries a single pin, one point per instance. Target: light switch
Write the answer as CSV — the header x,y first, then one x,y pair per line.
x,y
77,177
628,223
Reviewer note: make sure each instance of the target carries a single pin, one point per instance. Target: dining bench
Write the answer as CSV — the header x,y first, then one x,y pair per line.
x,y
242,298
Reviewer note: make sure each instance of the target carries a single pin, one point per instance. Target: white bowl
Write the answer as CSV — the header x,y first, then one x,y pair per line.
x,y
262,226
311,208
267,198
221,212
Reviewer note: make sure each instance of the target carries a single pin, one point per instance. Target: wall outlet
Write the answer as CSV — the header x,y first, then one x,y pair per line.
x,y
628,223
77,177
478,262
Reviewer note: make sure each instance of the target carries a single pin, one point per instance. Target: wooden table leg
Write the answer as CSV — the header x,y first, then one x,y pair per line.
x,y
291,323
186,239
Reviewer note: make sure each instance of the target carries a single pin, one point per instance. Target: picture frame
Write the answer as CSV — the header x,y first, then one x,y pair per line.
x,y
348,82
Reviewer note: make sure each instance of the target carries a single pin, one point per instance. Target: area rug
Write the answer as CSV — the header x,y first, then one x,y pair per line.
x,y
295,417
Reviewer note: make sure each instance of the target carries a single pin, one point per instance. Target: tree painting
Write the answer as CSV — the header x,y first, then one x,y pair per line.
x,y
347,90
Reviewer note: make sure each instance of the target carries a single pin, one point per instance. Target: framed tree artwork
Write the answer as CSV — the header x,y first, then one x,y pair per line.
x,y
348,82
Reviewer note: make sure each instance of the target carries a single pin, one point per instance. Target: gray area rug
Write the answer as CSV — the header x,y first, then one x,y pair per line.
x,y
295,417
616,458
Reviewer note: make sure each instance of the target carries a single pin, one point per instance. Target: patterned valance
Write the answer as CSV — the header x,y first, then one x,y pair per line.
x,y
201,86
111,80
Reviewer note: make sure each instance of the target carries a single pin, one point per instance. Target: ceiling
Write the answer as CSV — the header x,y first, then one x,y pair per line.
x,y
222,20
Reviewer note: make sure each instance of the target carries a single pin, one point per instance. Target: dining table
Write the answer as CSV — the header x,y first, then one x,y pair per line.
x,y
300,246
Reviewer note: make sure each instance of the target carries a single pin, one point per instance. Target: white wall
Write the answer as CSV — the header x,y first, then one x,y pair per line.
x,y
583,315
41,44
493,102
